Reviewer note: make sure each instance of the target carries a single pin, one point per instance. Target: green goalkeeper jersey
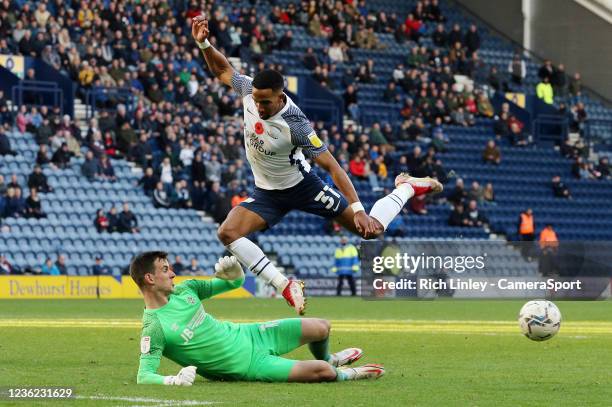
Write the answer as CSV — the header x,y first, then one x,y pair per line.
x,y
183,332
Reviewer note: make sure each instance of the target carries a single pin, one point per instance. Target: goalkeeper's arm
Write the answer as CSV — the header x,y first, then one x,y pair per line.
x,y
152,345
147,374
228,276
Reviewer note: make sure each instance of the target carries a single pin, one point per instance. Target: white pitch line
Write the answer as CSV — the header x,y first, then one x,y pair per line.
x,y
159,402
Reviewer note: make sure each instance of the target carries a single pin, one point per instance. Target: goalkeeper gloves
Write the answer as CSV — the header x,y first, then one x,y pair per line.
x,y
185,377
228,268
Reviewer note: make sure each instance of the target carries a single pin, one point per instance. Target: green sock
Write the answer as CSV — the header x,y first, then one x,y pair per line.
x,y
340,375
320,349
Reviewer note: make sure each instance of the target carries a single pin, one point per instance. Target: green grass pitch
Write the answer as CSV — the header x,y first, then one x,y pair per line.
x,y
445,352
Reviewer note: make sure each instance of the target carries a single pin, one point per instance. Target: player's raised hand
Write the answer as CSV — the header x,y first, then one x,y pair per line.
x,y
185,377
228,268
199,28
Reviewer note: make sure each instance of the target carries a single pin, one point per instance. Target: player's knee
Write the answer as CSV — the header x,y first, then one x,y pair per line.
x,y
327,325
324,326
227,233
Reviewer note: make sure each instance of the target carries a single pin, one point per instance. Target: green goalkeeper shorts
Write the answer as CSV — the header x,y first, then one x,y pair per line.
x,y
270,340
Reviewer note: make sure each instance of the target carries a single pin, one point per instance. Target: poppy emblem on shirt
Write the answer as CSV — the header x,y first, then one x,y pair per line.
x,y
259,128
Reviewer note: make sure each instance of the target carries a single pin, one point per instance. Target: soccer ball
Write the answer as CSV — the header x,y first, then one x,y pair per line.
x,y
539,320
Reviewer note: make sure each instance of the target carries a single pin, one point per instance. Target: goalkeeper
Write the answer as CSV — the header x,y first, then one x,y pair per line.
x,y
175,325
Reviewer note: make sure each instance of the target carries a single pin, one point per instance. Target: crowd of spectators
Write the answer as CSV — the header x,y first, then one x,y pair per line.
x,y
190,157
183,127
12,201
466,204
52,268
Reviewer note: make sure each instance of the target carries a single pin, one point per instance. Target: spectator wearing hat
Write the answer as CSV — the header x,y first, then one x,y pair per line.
x,y
99,269
38,180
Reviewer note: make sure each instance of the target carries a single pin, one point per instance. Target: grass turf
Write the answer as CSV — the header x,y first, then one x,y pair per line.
x,y
472,363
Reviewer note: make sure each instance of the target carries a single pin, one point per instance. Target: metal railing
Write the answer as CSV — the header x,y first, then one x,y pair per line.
x,y
37,93
322,110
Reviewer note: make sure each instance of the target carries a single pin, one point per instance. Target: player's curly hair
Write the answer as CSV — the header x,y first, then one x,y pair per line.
x,y
144,263
269,79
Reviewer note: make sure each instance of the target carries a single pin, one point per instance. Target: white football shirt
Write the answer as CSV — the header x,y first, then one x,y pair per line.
x,y
275,147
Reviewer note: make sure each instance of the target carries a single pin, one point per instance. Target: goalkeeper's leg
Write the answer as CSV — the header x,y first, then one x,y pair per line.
x,y
285,335
315,333
313,371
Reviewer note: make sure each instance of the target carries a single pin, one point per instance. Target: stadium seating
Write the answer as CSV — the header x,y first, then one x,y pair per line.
x,y
71,208
522,180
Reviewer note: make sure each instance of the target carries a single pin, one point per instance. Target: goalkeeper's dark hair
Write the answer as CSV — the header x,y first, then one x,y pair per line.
x,y
269,79
144,263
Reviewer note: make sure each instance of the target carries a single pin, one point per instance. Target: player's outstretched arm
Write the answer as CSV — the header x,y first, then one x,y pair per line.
x,y
228,276
216,61
364,223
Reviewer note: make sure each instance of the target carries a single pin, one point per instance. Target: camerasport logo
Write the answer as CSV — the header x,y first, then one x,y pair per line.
x,y
259,128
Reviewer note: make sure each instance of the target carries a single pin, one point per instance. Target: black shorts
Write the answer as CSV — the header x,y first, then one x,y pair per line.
x,y
311,195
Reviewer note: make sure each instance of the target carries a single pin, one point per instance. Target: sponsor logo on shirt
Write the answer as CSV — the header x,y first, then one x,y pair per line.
x,y
256,144
145,344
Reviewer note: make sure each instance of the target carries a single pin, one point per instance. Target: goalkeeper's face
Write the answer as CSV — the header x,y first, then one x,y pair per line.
x,y
163,278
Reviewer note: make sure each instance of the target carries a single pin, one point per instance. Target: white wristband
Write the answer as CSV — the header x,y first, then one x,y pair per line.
x,y
357,207
203,45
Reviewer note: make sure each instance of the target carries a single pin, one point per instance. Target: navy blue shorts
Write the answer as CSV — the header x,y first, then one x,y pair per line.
x,y
311,195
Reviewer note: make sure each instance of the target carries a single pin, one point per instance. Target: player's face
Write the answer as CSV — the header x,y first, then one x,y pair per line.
x,y
268,102
163,277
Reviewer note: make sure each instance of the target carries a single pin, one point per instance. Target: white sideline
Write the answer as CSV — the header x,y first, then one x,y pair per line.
x,y
158,402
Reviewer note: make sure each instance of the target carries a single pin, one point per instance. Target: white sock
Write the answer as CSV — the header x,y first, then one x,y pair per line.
x,y
249,254
387,208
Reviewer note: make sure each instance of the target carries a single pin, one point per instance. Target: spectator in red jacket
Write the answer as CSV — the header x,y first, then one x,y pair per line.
x,y
101,221
413,27
357,167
